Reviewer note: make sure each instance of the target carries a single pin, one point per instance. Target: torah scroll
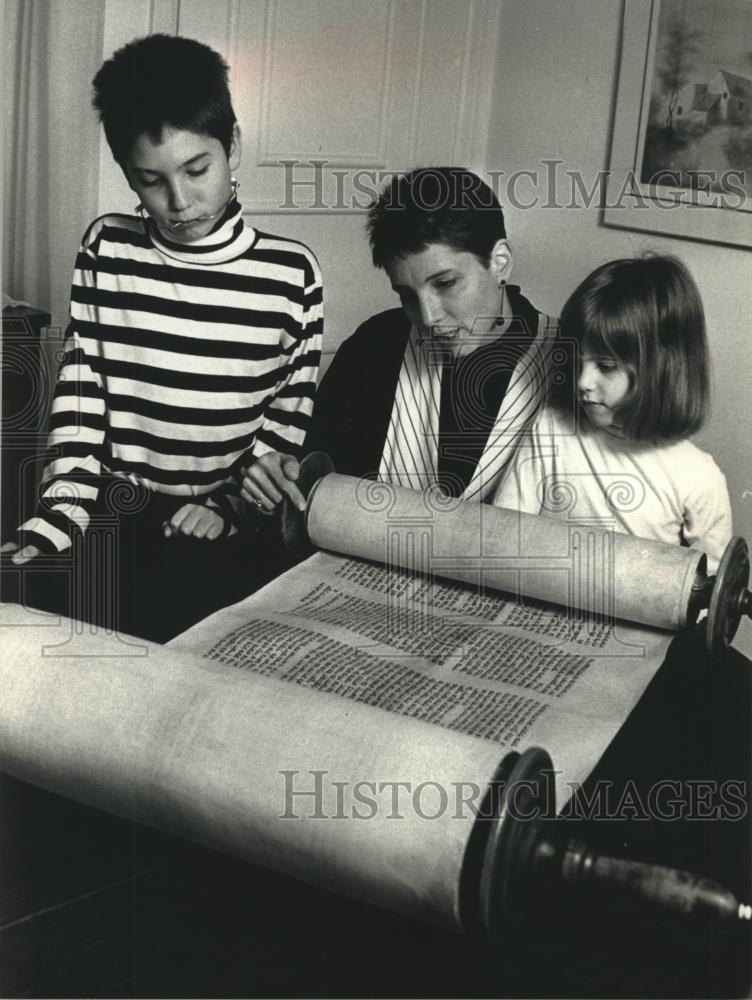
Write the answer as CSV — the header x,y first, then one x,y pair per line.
x,y
341,725
586,566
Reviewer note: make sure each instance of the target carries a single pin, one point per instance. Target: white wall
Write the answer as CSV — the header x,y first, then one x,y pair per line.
x,y
554,95
51,140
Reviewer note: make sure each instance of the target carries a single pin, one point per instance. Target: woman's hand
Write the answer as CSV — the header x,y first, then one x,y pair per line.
x,y
269,479
193,520
22,556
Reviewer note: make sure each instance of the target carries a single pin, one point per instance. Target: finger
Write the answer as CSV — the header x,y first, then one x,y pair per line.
x,y
191,521
204,522
290,490
261,486
248,489
167,529
260,500
25,555
260,503
214,532
210,524
179,516
296,497
279,470
8,547
254,496
290,467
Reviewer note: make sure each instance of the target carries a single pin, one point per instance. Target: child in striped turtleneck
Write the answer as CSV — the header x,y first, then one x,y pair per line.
x,y
192,350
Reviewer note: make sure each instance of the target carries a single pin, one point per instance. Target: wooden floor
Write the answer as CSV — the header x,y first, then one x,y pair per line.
x,y
91,905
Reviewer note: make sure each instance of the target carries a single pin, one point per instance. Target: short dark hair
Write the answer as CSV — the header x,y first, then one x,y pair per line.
x,y
159,81
646,313
449,205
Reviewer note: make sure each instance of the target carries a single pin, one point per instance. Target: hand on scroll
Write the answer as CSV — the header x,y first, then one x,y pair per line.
x,y
21,556
269,479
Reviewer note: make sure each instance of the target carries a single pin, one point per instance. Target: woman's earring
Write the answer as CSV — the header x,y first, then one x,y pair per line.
x,y
500,321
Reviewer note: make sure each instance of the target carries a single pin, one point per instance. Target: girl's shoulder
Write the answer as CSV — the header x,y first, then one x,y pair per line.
x,y
558,431
687,452
695,470
554,420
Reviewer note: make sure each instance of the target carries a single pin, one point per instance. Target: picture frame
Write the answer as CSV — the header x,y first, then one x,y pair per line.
x,y
681,151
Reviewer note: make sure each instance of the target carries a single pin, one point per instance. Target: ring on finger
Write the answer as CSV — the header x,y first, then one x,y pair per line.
x,y
258,503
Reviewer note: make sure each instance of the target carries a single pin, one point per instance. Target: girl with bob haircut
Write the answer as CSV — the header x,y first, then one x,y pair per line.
x,y
646,313
612,445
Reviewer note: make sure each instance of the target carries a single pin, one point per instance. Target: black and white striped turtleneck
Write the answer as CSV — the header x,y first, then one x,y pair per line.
x,y
182,363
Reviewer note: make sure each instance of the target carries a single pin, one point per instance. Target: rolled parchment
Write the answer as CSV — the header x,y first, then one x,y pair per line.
x,y
585,566
284,776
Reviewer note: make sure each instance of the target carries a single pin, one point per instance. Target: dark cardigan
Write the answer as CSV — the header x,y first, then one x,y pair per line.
x,y
354,401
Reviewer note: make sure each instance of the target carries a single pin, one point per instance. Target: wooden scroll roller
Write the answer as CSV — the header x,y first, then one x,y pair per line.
x,y
523,847
584,566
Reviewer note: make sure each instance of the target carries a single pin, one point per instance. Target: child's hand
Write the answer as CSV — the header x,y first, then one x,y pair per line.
x,y
20,557
193,520
271,476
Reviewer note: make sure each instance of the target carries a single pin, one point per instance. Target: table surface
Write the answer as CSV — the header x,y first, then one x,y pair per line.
x,y
91,905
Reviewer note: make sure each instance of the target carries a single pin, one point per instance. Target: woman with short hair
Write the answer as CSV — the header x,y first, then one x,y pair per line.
x,y
439,391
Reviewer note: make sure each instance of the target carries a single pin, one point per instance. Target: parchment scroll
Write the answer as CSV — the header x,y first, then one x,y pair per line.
x,y
342,724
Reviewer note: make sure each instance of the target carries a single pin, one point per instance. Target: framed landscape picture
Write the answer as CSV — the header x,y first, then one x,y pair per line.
x,y
681,151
